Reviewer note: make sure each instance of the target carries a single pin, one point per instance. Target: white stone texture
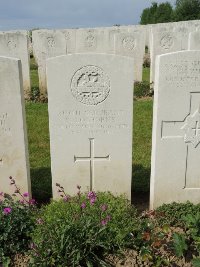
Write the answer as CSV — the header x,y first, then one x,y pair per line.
x,y
163,43
90,121
194,40
175,172
13,137
15,44
98,40
70,37
46,44
132,45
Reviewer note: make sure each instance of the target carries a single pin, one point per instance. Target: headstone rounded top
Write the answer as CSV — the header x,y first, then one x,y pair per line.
x,y
90,85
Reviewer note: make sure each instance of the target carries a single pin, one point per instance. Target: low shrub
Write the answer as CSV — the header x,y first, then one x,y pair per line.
x,y
80,230
142,89
174,214
16,224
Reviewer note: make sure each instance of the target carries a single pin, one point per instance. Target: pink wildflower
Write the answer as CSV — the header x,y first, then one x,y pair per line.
x,y
66,198
7,210
104,222
104,207
83,205
26,194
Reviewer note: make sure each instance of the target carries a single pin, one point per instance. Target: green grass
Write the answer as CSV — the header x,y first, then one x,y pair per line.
x,y
142,132
146,74
39,150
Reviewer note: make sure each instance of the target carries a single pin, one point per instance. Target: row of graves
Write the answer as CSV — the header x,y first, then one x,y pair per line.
x,y
90,104
119,40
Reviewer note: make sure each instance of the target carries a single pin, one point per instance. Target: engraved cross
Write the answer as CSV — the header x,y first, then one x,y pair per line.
x,y
189,130
91,159
196,128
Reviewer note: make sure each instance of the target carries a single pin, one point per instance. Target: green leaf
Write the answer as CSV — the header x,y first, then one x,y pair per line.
x,y
179,242
196,262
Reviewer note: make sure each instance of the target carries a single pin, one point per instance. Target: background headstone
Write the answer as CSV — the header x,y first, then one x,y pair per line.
x,y
16,44
90,119
46,44
164,42
13,137
132,45
175,172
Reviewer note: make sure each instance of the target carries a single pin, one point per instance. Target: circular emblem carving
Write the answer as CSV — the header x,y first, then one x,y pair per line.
x,y
51,42
128,43
90,85
167,41
90,41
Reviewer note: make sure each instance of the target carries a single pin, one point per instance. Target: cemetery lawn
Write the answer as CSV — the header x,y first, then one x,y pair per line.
x,y
146,74
39,148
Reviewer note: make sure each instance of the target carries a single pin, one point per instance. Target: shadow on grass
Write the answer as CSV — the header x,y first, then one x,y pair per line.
x,y
41,185
140,186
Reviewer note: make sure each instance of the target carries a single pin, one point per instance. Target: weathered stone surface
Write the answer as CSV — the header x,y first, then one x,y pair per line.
x,y
194,40
13,139
90,119
46,44
175,172
15,44
70,37
165,42
132,45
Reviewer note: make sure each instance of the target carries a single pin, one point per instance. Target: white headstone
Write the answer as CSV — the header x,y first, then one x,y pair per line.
x,y
175,172
90,120
90,40
15,44
46,44
162,43
132,45
13,139
70,37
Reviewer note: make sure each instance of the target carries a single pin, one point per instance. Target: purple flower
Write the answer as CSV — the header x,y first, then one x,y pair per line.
x,y
7,210
92,197
1,194
66,198
21,201
104,207
104,222
83,205
26,194
32,201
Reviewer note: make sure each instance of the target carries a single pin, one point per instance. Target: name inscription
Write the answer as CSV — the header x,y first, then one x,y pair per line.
x,y
93,121
183,72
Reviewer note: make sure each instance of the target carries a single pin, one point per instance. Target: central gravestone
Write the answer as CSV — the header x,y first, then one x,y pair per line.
x,y
176,129
90,118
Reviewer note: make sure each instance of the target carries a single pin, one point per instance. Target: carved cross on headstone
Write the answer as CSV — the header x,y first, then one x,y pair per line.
x,y
189,131
91,159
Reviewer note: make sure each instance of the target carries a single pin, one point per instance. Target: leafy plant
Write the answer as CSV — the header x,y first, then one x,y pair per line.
x,y
142,89
196,262
16,224
174,213
192,222
179,244
79,230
